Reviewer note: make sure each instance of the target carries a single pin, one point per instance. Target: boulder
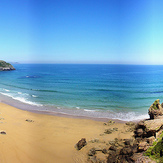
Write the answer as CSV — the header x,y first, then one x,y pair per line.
x,y
3,132
81,144
153,125
92,152
143,146
139,132
148,128
155,110
150,140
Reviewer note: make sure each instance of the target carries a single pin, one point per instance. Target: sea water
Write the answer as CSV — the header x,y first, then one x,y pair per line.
x,y
122,92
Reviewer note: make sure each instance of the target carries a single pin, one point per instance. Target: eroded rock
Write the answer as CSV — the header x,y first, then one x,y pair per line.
x,y
155,110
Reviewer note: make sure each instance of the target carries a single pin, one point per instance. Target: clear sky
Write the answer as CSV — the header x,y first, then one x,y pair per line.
x,y
82,31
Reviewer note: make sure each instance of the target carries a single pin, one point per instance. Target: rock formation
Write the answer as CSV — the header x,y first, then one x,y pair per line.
x,y
155,109
147,141
4,66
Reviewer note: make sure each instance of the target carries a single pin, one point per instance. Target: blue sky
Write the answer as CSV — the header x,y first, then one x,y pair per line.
x,y
82,31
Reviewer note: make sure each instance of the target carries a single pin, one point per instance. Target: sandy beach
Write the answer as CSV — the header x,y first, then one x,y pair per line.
x,y
32,137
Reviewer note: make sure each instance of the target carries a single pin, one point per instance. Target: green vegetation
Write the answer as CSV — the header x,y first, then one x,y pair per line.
x,y
4,64
155,104
155,152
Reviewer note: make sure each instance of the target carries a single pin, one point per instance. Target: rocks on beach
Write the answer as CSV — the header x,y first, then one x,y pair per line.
x,y
81,143
3,132
131,150
29,120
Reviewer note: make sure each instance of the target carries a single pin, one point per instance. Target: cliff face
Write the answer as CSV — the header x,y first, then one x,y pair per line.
x,y
4,66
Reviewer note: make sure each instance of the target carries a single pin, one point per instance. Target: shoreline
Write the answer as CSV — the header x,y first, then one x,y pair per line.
x,y
58,112
33,137
67,115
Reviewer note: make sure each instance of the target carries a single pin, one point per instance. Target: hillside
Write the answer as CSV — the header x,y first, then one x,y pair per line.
x,y
4,66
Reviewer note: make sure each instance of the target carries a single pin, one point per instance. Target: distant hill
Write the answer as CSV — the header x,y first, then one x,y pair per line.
x,y
4,66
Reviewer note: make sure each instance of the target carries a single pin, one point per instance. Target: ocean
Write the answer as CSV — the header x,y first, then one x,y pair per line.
x,y
123,92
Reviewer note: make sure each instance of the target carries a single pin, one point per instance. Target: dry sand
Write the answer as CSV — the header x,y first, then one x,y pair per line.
x,y
50,139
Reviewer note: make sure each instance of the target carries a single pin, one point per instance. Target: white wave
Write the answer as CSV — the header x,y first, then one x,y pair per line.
x,y
19,93
34,96
6,90
130,116
77,107
21,99
89,110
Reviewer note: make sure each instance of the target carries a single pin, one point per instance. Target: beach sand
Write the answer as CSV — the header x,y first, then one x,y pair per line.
x,y
50,139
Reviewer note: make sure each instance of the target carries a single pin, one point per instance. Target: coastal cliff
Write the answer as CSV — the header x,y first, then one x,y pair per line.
x,y
4,66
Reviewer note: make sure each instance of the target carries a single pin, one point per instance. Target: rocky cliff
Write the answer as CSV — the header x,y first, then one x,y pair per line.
x,y
4,66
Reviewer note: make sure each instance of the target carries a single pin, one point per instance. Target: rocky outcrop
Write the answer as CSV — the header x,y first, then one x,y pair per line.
x,y
147,140
4,66
155,110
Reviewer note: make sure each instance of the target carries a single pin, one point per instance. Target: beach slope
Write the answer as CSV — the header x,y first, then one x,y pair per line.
x,y
31,137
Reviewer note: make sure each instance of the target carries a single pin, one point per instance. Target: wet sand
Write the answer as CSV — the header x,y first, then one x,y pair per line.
x,y
32,137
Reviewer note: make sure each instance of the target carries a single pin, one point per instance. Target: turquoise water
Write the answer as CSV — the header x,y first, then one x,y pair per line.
x,y
122,92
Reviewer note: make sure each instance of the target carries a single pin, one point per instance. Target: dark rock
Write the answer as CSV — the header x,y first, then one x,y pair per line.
x,y
81,144
134,148
92,152
113,148
3,132
104,151
128,141
112,158
92,159
98,149
108,131
29,120
126,151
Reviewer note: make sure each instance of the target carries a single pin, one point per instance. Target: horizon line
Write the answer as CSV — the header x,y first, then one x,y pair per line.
x,y
147,64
